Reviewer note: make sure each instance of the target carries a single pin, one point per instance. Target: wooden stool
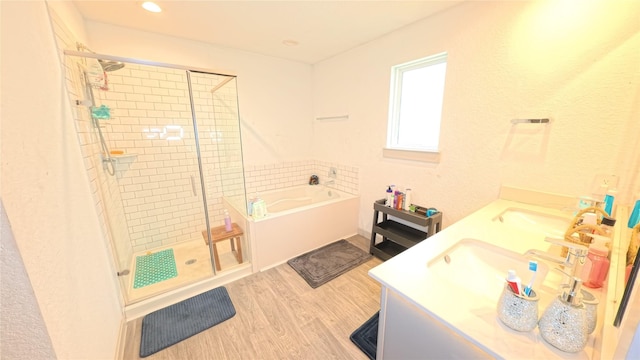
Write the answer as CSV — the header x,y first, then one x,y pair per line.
x,y
220,234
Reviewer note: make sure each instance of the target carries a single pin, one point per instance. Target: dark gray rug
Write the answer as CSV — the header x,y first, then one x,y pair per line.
x,y
177,322
328,262
366,336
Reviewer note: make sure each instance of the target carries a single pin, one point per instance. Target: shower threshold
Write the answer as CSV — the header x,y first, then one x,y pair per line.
x,y
194,270
171,297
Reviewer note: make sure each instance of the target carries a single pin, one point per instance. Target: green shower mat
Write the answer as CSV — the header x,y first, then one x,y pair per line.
x,y
154,268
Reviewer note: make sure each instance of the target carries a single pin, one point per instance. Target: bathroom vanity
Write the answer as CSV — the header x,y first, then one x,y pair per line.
x,y
439,297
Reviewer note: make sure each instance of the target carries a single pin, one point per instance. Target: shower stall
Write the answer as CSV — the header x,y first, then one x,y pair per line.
x,y
161,146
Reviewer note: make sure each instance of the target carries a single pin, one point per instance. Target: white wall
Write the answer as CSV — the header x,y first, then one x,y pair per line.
x,y
577,65
47,196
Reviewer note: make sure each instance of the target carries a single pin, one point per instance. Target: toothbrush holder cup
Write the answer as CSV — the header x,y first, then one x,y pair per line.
x,y
518,312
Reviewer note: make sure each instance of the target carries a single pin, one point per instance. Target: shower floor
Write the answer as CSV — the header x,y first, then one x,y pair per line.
x,y
189,271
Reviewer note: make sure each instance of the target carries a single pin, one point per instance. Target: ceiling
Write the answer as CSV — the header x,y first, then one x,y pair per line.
x,y
321,29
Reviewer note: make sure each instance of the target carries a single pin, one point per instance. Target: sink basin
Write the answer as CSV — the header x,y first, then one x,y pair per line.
x,y
550,225
481,268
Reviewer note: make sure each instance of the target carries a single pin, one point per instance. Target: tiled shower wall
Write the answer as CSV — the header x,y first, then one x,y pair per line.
x,y
275,176
155,197
160,180
107,200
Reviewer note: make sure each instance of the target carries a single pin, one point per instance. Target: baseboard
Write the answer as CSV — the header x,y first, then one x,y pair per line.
x,y
364,233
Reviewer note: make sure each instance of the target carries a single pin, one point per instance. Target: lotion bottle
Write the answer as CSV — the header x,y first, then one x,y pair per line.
x,y
227,221
407,199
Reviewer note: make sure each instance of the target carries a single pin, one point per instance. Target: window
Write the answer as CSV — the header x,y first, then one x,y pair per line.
x,y
417,90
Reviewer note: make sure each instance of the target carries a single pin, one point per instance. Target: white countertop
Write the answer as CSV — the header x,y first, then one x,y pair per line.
x,y
407,275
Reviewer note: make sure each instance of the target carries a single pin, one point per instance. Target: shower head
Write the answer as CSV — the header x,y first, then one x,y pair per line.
x,y
109,65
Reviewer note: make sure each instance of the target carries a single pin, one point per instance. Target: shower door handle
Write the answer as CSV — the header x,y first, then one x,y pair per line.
x,y
193,186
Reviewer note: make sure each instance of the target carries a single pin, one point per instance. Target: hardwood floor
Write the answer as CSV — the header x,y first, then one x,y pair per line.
x,y
279,316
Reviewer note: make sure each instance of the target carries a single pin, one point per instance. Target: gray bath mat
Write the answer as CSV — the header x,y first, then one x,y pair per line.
x,y
177,322
328,262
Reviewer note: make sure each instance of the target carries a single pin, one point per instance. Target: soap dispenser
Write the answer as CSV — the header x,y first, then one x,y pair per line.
x,y
564,323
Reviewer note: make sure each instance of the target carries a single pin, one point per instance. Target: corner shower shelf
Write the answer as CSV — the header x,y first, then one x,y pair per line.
x,y
123,156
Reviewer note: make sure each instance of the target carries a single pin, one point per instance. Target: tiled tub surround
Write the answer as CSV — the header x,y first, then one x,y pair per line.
x,y
267,177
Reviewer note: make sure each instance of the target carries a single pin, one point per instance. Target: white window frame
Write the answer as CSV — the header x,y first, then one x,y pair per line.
x,y
393,148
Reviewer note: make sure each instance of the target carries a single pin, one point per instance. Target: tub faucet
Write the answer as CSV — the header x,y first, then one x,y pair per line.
x,y
330,182
571,263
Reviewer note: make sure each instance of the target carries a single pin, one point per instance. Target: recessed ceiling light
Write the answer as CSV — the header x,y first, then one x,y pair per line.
x,y
290,42
151,6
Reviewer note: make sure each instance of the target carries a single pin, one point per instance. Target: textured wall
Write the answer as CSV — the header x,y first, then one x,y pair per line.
x,y
47,197
23,334
577,65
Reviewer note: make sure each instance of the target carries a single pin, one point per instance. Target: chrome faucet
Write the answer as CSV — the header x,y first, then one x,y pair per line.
x,y
571,263
330,182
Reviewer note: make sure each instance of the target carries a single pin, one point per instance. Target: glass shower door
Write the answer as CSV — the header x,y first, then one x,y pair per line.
x,y
137,135
215,106
152,145
216,110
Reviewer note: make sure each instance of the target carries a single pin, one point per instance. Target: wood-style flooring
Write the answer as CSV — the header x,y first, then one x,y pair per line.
x,y
279,316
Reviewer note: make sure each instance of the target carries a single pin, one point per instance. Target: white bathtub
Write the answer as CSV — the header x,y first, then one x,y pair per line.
x,y
300,219
294,199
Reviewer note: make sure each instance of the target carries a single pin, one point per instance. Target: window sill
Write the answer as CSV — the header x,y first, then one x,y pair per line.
x,y
412,155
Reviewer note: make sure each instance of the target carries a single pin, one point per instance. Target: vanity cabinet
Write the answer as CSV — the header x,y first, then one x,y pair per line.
x,y
407,332
396,234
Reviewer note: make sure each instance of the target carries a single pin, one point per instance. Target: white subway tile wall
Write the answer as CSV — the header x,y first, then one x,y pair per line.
x,y
152,124
276,176
155,199
160,180
104,187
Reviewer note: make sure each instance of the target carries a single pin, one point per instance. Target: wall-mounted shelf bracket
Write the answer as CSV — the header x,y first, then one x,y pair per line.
x,y
530,121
